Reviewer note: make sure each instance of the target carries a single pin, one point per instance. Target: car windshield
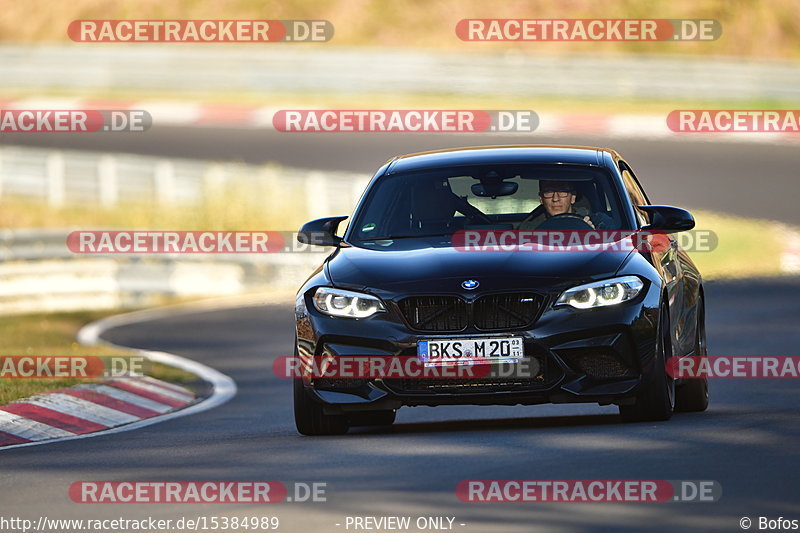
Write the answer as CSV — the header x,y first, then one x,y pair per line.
x,y
436,202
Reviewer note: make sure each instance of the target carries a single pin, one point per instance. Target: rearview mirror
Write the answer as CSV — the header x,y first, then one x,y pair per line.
x,y
320,232
667,219
494,189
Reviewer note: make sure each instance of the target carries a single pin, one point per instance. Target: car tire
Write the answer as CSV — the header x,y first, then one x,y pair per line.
x,y
373,418
692,396
656,402
309,417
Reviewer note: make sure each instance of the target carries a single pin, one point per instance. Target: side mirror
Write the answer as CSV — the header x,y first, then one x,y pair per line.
x,y
321,232
667,219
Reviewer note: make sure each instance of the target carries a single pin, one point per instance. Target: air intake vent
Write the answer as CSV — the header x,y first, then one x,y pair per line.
x,y
435,313
493,312
506,311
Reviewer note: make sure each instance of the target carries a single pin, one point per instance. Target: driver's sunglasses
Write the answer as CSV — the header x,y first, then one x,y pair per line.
x,y
561,194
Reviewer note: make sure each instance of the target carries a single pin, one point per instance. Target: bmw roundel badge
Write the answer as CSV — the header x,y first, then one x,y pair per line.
x,y
470,284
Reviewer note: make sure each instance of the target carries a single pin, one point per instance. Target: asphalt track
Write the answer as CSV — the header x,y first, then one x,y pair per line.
x,y
748,440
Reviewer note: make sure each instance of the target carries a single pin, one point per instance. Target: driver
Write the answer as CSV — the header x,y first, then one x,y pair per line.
x,y
558,198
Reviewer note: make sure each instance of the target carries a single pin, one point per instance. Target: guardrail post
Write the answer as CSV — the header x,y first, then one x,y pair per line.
x,y
213,181
108,192
55,179
165,182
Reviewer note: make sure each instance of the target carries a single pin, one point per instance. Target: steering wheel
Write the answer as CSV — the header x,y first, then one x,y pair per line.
x,y
571,221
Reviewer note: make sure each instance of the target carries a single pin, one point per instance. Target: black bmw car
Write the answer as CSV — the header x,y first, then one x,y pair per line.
x,y
590,325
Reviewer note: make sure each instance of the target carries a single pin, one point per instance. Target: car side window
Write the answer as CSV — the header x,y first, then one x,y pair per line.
x,y
635,193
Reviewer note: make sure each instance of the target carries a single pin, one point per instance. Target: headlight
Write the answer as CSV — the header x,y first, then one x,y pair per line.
x,y
339,302
602,293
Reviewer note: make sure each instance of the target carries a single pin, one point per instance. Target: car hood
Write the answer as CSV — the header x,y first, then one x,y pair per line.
x,y
428,265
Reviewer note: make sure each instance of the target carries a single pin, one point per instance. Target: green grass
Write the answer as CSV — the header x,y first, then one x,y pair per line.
x,y
746,247
54,335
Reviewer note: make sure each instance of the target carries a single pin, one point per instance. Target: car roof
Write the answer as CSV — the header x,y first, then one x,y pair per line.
x,y
476,155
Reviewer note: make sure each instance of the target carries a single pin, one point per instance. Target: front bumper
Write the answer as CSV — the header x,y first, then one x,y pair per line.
x,y
592,356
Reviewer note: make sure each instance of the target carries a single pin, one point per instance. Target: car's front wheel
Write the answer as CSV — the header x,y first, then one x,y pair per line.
x,y
309,417
657,400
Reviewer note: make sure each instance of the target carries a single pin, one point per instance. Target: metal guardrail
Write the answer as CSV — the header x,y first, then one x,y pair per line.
x,y
38,273
330,70
61,177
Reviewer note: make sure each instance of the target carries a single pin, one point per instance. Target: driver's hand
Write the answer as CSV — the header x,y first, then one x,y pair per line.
x,y
589,221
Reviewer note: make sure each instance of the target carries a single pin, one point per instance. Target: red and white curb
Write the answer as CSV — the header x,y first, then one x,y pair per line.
x,y
88,409
114,406
174,113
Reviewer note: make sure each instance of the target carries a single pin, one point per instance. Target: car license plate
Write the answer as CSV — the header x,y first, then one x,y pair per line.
x,y
448,352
